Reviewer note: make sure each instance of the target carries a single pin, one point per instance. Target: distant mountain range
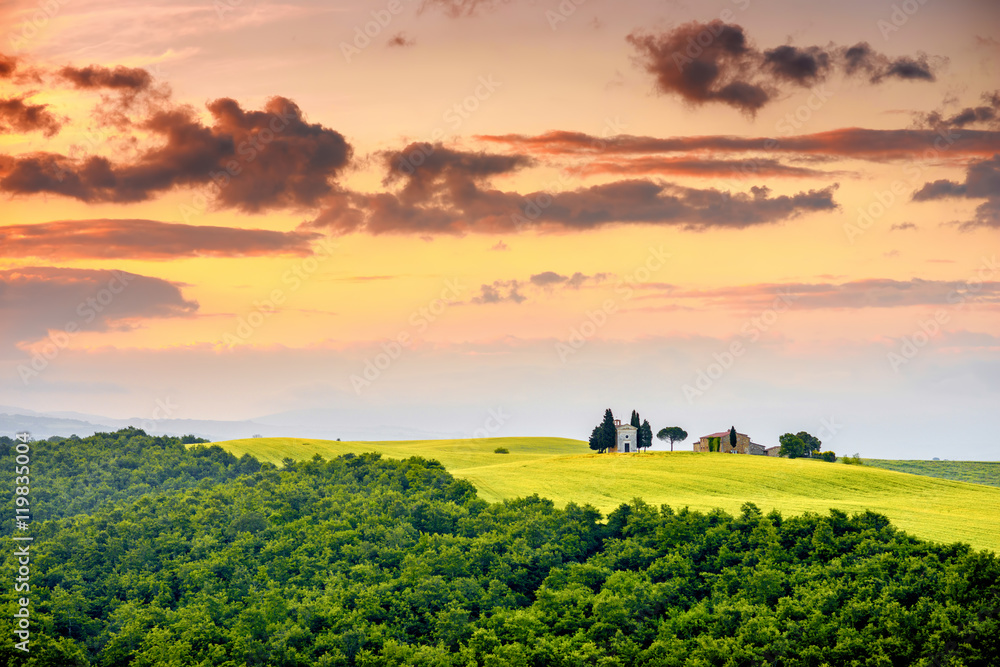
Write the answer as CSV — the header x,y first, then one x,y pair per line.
x,y
327,424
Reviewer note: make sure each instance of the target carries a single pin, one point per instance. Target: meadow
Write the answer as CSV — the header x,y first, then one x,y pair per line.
x,y
975,472
566,470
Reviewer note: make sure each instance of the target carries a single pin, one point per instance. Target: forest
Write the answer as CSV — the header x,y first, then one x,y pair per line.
x,y
148,552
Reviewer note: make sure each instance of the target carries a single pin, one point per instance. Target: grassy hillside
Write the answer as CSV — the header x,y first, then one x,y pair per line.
x,y
565,470
975,472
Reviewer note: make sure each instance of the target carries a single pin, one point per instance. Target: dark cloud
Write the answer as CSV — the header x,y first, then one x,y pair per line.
x,y
547,279
37,300
987,114
7,66
938,190
863,59
400,40
18,116
717,71
501,291
803,66
253,161
982,181
450,193
146,239
716,62
95,76
851,142
902,226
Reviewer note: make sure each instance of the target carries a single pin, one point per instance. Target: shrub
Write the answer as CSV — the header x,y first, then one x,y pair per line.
x,y
853,460
830,457
501,450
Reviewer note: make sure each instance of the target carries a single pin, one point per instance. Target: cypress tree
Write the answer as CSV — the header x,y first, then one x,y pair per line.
x,y
645,435
609,434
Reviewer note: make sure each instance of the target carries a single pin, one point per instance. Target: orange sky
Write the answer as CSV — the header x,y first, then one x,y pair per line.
x,y
537,201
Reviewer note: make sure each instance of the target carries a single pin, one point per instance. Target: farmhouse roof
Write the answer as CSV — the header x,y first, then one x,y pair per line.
x,y
621,426
720,434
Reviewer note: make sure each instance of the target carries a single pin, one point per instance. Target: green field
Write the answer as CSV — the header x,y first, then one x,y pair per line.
x,y
565,470
976,472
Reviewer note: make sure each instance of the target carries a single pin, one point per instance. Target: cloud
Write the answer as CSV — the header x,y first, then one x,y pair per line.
x,y
146,239
37,300
697,167
400,40
720,71
902,226
863,59
716,62
253,160
987,114
982,181
500,245
850,142
450,193
495,293
95,76
549,279
462,8
868,293
802,66
17,116
7,66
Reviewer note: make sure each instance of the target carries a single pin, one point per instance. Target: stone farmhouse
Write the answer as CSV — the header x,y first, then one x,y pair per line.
x,y
628,438
719,442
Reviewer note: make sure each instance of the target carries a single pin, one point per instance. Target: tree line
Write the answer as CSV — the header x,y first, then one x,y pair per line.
x,y
365,561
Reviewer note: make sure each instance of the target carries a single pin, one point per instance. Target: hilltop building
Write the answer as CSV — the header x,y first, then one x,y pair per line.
x,y
719,442
628,438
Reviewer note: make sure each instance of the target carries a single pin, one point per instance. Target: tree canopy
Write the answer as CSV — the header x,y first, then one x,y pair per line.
x,y
365,561
672,434
791,446
645,435
811,444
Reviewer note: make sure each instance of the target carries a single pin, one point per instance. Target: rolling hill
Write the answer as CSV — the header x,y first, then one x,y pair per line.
x,y
566,471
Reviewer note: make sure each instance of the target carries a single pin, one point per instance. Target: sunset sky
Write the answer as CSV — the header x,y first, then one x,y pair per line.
x,y
778,215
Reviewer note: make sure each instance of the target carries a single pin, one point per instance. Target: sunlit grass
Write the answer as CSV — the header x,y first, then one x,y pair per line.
x,y
567,471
